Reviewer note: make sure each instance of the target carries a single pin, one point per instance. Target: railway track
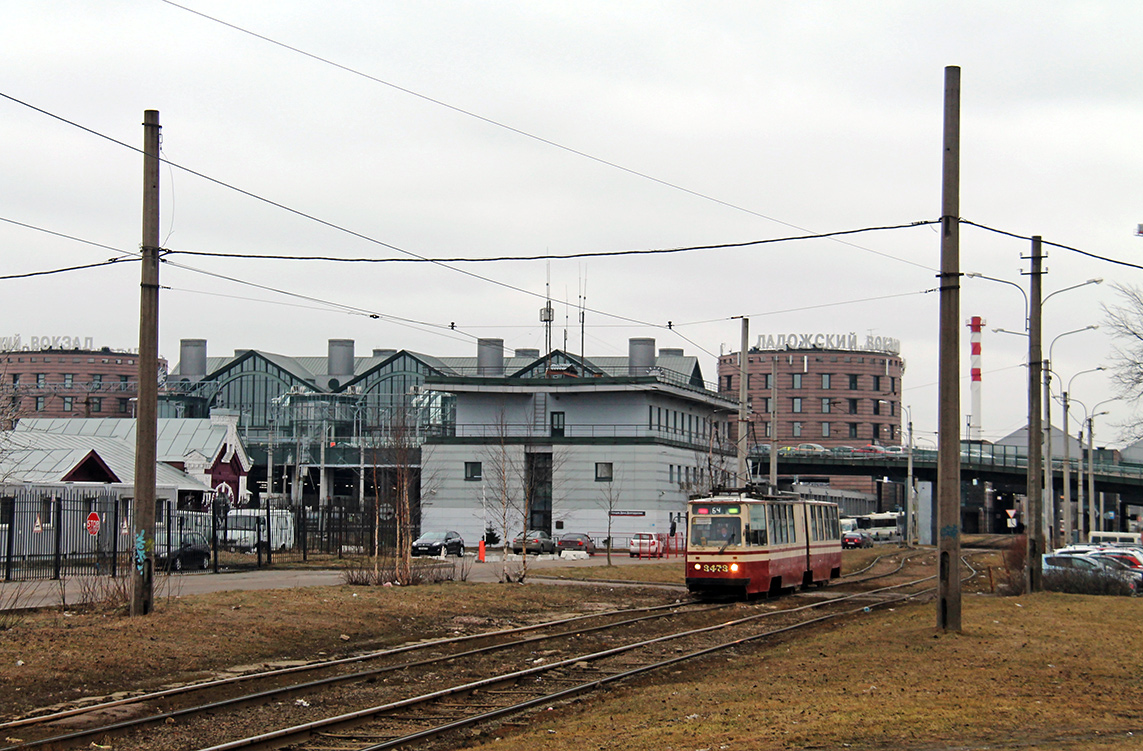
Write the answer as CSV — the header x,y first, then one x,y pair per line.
x,y
399,696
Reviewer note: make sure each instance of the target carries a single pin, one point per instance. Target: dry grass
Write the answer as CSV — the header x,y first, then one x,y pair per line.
x,y
1044,672
54,655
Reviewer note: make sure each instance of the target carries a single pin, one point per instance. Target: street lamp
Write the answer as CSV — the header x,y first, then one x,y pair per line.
x,y
975,275
1091,467
1068,461
911,490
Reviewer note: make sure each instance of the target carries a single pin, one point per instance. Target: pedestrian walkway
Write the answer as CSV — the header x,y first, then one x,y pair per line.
x,y
75,591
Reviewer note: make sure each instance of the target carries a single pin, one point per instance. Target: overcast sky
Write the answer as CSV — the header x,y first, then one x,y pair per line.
x,y
702,124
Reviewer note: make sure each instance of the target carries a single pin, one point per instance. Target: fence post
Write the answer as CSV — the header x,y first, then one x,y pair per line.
x,y
214,532
305,527
269,536
11,541
57,508
114,537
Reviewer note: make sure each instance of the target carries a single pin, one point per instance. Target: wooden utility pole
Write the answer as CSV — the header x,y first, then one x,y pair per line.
x,y
1033,515
948,428
146,413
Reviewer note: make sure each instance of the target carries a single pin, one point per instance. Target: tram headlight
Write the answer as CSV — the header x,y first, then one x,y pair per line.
x,y
698,567
734,567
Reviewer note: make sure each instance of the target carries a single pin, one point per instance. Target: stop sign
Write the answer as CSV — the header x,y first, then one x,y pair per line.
x,y
93,523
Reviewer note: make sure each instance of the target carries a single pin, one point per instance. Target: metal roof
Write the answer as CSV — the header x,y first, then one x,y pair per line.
x,y
37,457
176,437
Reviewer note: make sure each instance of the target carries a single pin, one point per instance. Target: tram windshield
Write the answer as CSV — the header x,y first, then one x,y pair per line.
x,y
716,530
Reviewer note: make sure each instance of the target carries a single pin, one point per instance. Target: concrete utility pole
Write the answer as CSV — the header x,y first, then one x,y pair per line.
x,y
1033,527
146,415
774,424
743,416
948,428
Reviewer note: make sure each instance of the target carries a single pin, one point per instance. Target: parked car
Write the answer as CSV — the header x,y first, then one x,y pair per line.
x,y
534,541
576,541
842,450
813,449
871,448
439,544
644,544
856,539
193,551
1086,565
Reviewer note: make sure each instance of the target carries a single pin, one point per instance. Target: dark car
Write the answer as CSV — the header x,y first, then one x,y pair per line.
x,y
856,540
193,552
576,541
439,544
534,541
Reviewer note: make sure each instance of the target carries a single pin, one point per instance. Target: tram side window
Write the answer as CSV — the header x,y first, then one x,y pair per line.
x,y
756,534
791,525
835,531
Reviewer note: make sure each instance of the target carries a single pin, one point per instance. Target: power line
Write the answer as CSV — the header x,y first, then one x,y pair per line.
x,y
1096,256
812,307
550,256
519,131
50,272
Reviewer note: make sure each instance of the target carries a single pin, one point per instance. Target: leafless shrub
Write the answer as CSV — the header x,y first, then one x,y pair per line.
x,y
1085,583
12,598
384,572
1015,560
103,593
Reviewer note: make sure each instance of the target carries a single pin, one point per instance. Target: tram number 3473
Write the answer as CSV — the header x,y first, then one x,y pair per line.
x,y
716,567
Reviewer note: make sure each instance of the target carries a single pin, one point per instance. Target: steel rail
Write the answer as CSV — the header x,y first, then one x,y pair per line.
x,y
361,675
284,736
317,665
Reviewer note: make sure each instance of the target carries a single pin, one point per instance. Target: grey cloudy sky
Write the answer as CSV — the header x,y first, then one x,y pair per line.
x,y
818,116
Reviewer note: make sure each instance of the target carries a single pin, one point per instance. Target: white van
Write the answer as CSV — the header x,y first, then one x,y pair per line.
x,y
848,524
1115,538
245,527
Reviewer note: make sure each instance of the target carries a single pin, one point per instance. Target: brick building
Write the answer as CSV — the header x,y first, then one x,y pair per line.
x,y
69,382
826,393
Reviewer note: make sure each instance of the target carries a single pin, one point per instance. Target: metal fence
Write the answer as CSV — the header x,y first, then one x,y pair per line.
x,y
59,532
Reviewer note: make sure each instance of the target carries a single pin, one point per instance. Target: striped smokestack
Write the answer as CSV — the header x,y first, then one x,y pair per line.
x,y
975,324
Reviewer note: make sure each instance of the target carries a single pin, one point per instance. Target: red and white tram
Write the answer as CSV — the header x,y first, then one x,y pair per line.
x,y
740,543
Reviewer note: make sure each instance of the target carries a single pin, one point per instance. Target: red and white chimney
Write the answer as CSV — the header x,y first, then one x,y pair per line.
x,y
975,325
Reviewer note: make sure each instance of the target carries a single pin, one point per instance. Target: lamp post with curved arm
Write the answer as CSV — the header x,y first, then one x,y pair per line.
x,y
1050,511
1091,467
1068,511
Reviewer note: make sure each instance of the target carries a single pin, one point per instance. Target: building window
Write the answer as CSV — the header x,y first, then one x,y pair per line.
x,y
730,383
796,403
876,406
766,432
825,380
124,406
892,384
67,404
825,430
41,380
876,383
123,381
68,379
97,381
877,431
39,404
853,382
473,471
852,430
15,376
46,515
96,404
796,379
825,406
797,429
557,425
852,406
603,472
765,404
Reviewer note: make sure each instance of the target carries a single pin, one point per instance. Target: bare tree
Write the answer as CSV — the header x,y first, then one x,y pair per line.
x,y
500,479
609,501
1126,323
